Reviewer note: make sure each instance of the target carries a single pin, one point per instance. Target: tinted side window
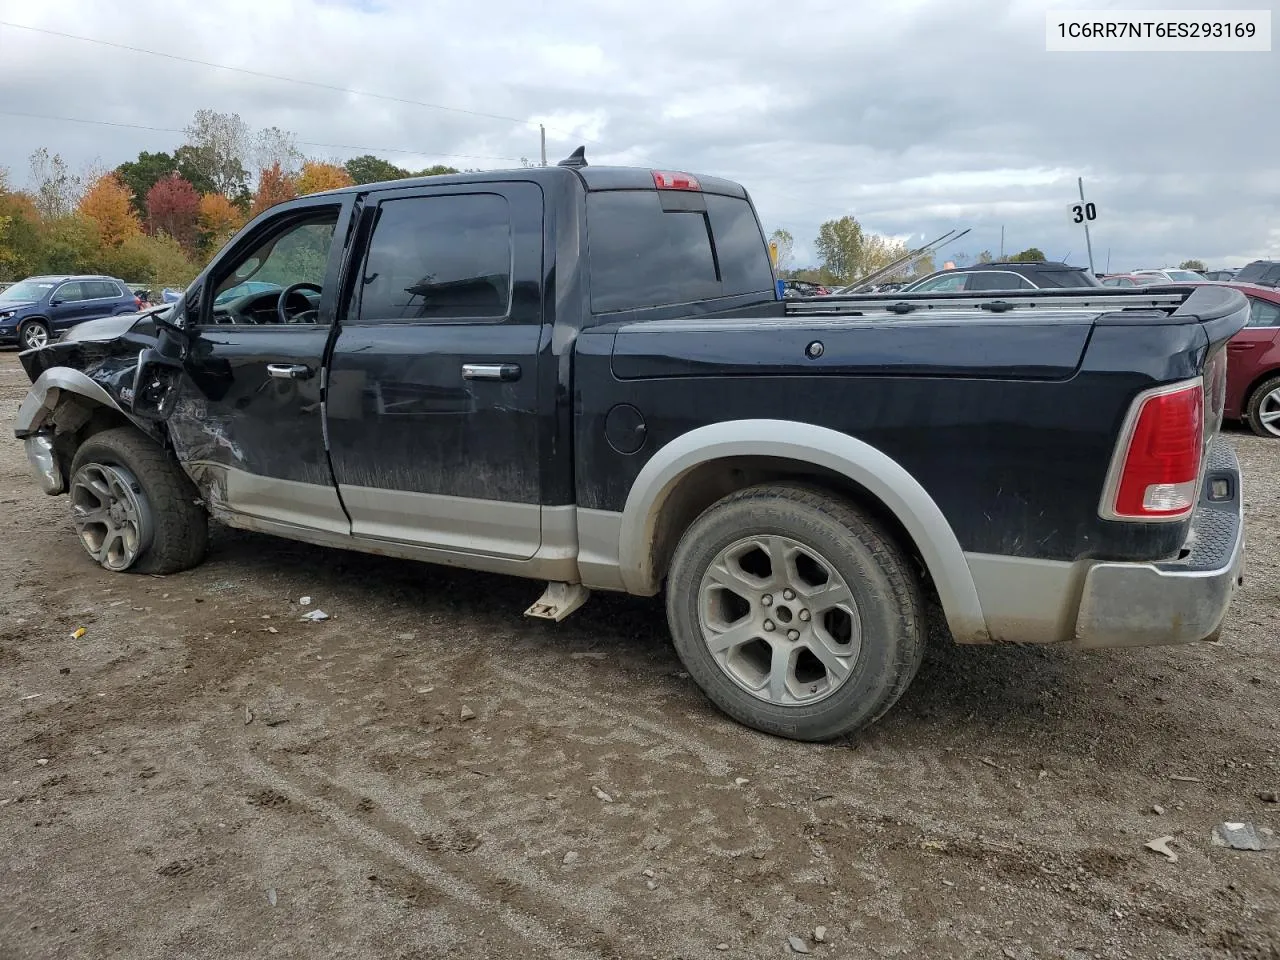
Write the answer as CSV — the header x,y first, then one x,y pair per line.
x,y
740,247
1272,277
70,292
950,281
642,256
997,280
100,289
1263,313
1253,271
438,258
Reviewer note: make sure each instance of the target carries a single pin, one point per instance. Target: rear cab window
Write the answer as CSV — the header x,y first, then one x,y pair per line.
x,y
650,248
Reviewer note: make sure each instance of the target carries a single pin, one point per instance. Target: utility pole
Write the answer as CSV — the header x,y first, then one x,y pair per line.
x,y
1087,242
1001,257
542,133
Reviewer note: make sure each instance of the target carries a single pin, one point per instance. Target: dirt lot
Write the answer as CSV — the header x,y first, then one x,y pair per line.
x,y
202,774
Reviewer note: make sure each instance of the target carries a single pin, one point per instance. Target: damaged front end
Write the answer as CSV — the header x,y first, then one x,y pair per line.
x,y
102,374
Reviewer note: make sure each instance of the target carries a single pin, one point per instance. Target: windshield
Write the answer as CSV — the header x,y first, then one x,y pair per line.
x,y
1190,275
27,290
244,289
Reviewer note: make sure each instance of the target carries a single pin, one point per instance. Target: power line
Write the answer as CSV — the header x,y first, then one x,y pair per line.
x,y
273,76
304,143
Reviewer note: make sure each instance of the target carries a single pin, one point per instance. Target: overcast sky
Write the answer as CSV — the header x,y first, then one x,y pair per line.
x,y
914,116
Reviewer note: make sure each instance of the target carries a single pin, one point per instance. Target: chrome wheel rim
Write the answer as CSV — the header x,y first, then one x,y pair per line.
x,y
110,515
35,336
779,620
1269,412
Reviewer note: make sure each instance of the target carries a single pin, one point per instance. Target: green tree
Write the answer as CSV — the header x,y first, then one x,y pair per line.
x,y
71,245
1196,265
1029,255
140,175
839,244
439,170
986,257
371,169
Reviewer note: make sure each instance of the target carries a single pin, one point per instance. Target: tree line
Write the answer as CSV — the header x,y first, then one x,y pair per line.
x,y
158,218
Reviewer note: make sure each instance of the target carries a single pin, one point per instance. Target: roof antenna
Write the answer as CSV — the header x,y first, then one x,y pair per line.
x,y
576,159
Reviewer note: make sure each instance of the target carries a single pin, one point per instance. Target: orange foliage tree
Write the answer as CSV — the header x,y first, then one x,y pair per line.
x,y
274,186
219,218
107,204
317,176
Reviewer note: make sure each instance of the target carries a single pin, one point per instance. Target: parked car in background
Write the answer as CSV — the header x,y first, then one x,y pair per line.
x,y
34,310
1221,275
1264,273
803,288
1171,275
1253,364
1009,275
1127,280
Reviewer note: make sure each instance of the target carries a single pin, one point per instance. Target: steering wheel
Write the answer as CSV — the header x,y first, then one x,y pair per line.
x,y
284,300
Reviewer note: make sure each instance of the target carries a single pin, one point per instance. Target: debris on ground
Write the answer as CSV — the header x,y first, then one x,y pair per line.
x,y
466,713
315,615
819,934
30,696
570,857
601,795
248,716
797,945
42,762
1157,810
304,601
1269,796
79,632
740,781
586,655
271,895
1244,836
1161,845
722,946
651,884
1186,779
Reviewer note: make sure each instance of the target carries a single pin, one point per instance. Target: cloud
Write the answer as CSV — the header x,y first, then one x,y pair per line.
x,y
916,116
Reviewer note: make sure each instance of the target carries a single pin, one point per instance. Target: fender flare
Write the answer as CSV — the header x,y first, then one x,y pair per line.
x,y
45,393
882,476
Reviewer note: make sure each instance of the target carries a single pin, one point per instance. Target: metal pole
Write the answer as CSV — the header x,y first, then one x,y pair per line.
x,y
1087,242
1001,257
542,133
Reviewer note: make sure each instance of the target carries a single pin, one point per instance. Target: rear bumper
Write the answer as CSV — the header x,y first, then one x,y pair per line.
x,y
1091,603
1179,601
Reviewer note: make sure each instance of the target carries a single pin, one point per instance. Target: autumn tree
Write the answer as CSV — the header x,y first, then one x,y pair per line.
x,y
20,233
786,245
140,175
173,208
272,146
106,203
317,176
219,218
274,186
371,169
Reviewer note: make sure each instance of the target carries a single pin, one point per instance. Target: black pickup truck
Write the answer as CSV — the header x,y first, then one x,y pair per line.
x,y
584,375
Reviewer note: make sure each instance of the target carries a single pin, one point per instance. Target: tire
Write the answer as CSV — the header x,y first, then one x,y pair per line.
x,y
810,529
1263,395
34,330
172,528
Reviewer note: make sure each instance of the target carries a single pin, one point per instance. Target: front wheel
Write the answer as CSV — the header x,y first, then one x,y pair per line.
x,y
133,507
34,334
796,613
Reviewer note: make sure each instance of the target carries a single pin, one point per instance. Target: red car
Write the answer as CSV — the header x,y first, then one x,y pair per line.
x,y
1253,364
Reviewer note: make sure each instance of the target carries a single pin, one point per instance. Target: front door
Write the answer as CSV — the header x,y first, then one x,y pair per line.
x,y
247,422
433,394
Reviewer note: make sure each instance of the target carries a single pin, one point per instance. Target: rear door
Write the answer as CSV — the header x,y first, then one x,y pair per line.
x,y
1249,352
433,399
70,304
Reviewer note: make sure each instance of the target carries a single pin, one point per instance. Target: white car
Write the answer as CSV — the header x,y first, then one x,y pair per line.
x,y
1171,275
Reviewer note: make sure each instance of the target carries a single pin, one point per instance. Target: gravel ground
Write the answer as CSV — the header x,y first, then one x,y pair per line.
x,y
201,774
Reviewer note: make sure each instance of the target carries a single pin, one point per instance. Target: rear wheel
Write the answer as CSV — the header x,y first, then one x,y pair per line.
x,y
1263,414
33,334
133,507
795,612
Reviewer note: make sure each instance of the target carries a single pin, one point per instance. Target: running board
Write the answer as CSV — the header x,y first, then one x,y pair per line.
x,y
558,601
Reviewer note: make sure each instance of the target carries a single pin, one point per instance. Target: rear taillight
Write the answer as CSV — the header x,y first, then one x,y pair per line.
x,y
666,180
1156,471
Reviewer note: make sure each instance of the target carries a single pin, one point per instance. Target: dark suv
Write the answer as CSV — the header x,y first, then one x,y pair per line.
x,y
1013,275
35,310
1262,273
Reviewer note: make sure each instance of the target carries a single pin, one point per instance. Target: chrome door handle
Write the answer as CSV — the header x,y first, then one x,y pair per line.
x,y
491,371
288,371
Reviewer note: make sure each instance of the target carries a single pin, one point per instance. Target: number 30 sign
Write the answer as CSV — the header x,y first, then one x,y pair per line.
x,y
1083,212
